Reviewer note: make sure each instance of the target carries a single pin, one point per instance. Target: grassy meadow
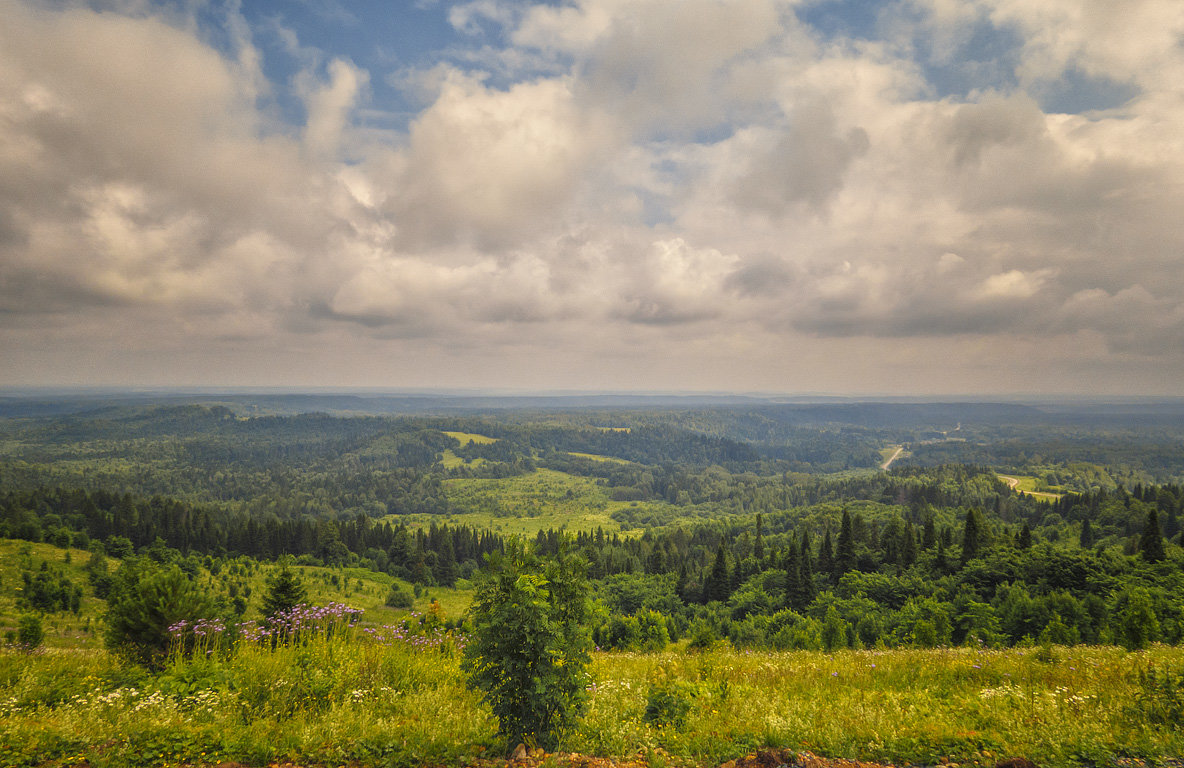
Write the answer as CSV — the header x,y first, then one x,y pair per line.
x,y
366,699
526,504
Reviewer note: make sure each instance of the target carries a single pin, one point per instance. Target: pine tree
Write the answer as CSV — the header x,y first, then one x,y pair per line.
x,y
845,554
1087,535
1151,542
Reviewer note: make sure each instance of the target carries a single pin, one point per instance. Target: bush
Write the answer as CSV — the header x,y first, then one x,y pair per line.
x,y
529,648
1159,699
399,598
669,702
29,633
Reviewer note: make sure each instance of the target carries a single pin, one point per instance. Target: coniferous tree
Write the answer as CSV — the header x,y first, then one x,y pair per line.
x,y
716,587
972,536
929,535
1087,535
1024,541
806,569
284,590
845,554
826,556
1151,542
793,576
908,546
758,549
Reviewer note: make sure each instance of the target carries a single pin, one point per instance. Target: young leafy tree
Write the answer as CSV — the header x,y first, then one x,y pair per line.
x,y
530,643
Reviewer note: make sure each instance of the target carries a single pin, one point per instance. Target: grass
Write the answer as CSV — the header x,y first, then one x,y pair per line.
x,y
1027,484
359,587
347,700
471,437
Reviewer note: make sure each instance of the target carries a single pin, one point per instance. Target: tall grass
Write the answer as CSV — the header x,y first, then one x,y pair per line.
x,y
375,698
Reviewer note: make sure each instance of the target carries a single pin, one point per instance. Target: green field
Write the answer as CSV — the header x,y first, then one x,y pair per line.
x,y
1028,484
357,587
348,700
526,504
470,437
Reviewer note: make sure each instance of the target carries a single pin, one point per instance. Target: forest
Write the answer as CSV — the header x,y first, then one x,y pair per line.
x,y
709,528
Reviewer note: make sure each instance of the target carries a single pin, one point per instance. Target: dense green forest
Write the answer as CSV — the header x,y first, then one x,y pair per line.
x,y
765,525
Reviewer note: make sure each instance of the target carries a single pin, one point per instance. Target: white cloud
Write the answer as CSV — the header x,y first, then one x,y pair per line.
x,y
709,180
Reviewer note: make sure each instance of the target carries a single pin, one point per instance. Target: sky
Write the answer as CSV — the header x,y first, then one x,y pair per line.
x,y
792,196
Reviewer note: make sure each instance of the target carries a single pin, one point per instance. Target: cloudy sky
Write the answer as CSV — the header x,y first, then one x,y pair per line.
x,y
909,196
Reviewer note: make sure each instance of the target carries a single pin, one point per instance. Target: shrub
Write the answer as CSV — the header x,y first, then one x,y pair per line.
x,y
1159,699
669,702
29,633
529,648
399,598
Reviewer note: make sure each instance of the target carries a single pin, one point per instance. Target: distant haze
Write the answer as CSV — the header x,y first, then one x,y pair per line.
x,y
779,196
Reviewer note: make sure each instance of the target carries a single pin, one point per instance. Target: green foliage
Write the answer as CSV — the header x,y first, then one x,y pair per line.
x,y
669,701
529,647
1159,698
146,599
1137,624
30,633
284,590
399,598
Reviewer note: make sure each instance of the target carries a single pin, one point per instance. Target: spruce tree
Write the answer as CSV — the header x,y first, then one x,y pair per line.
x,y
826,556
929,535
845,554
758,549
793,576
1087,534
908,546
1025,538
716,587
284,590
806,569
971,537
1151,542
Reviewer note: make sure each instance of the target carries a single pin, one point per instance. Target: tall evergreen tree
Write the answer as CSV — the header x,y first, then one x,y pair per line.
x,y
845,554
1024,541
758,549
929,535
284,590
1087,534
806,569
716,587
826,556
793,576
1151,542
908,546
972,536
